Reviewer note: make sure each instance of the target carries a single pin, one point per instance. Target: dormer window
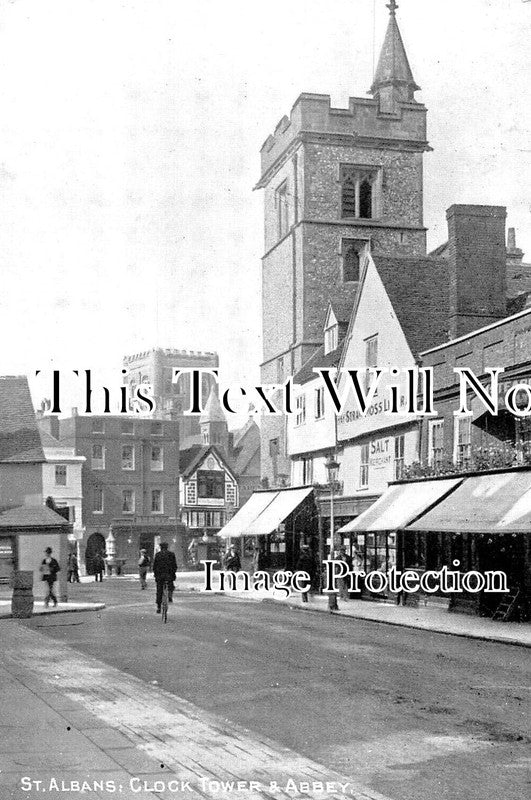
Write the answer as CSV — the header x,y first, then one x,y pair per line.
x,y
359,191
331,338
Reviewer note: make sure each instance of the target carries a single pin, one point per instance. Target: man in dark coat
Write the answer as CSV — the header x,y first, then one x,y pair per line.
x,y
232,560
306,563
49,569
164,571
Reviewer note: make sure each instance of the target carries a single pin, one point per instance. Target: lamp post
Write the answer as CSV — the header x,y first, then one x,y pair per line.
x,y
332,467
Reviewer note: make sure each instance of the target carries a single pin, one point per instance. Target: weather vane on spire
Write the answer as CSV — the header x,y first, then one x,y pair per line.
x,y
392,7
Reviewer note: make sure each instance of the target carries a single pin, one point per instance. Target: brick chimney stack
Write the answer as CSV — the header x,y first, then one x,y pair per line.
x,y
477,260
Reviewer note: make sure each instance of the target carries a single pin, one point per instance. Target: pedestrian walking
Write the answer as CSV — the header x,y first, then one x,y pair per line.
x,y
306,563
72,575
164,570
144,563
344,583
49,569
99,567
232,560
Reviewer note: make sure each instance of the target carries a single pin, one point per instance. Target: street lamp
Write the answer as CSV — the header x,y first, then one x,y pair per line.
x,y
332,467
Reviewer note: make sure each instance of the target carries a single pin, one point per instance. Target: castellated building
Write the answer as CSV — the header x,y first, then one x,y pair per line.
x,y
335,179
156,367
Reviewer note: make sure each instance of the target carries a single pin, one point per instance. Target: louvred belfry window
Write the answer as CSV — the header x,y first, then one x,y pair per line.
x,y
359,190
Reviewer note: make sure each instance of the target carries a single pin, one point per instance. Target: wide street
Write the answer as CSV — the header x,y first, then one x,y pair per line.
x,y
408,714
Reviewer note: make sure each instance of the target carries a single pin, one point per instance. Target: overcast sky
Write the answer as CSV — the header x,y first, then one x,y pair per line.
x,y
130,145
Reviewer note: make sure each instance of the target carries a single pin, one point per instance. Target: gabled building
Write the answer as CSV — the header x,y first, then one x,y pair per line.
x,y
62,478
208,497
334,179
27,527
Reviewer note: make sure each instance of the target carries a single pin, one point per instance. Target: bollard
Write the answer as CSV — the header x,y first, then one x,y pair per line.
x,y
22,600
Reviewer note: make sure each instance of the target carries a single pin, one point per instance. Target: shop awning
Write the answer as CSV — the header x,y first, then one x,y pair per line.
x,y
276,512
254,506
400,504
495,503
264,512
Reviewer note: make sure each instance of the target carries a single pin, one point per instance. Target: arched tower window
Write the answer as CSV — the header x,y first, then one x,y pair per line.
x,y
365,199
351,254
359,191
351,263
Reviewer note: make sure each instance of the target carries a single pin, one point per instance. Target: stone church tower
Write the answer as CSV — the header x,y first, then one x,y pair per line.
x,y
334,179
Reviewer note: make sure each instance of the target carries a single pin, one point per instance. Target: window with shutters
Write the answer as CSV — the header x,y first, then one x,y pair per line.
x,y
359,191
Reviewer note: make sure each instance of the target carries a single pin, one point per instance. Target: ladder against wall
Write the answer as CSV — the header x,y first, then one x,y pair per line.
x,y
506,605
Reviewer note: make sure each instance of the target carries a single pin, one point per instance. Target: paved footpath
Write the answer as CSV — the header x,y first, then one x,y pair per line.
x,y
67,718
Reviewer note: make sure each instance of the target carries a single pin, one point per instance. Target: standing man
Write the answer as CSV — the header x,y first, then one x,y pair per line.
x,y
306,563
232,560
164,570
73,569
344,582
144,563
99,567
49,569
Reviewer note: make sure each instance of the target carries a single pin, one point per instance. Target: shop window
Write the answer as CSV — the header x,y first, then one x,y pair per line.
x,y
211,484
60,475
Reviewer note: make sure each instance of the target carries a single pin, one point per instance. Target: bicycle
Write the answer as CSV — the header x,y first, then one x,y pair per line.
x,y
165,601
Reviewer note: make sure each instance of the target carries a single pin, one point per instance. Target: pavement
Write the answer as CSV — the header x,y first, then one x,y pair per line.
x,y
73,724
236,700
431,617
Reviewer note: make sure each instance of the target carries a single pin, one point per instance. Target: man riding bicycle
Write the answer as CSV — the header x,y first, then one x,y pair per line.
x,y
164,570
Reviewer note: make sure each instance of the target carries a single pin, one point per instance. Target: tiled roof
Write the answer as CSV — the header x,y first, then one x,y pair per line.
x,y
246,445
20,441
418,289
31,517
192,457
318,360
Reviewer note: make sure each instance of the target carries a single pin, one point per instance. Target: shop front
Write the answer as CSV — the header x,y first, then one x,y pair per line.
x,y
276,522
376,534
485,525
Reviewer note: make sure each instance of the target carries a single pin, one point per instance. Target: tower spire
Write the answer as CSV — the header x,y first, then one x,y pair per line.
x,y
393,80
